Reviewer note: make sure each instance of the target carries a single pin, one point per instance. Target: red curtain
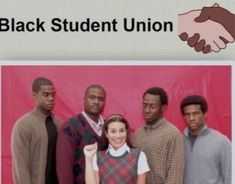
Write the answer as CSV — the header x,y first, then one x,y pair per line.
x,y
124,85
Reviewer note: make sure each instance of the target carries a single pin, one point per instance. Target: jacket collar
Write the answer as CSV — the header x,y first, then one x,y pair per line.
x,y
39,113
203,131
159,123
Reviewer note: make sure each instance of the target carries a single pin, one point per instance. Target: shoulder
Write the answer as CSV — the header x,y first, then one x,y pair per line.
x,y
218,137
23,126
171,129
68,126
57,121
140,154
135,151
75,127
24,121
139,130
72,122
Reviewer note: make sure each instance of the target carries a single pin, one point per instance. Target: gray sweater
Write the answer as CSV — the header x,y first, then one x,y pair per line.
x,y
208,160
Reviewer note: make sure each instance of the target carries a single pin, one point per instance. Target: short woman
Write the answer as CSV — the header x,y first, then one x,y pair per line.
x,y
117,162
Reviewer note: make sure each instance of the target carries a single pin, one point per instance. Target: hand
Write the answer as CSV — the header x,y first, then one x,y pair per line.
x,y
90,150
194,41
220,15
200,36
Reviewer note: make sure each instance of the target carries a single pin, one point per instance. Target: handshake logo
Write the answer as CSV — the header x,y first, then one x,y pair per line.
x,y
207,30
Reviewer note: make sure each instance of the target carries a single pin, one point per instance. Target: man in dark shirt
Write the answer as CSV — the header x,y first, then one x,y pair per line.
x,y
33,139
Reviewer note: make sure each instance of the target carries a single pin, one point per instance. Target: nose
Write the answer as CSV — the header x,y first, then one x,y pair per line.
x,y
51,98
96,101
146,110
191,117
118,134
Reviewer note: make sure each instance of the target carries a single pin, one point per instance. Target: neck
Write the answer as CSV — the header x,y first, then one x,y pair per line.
x,y
155,121
45,112
93,117
196,132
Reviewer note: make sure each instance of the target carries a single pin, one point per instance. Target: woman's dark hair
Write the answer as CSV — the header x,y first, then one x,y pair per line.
x,y
114,118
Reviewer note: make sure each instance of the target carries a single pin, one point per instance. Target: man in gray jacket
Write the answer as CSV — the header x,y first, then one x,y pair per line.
x,y
207,151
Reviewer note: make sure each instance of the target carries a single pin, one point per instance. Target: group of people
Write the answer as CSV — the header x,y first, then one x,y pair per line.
x,y
88,149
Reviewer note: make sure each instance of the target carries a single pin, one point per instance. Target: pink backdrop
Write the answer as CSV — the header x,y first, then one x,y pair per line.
x,y
124,85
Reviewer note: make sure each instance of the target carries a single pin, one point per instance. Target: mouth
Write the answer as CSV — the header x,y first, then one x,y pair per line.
x,y
118,141
95,108
193,125
147,117
50,105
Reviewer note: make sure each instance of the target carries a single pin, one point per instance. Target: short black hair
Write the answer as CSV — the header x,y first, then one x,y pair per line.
x,y
194,100
38,82
95,86
158,91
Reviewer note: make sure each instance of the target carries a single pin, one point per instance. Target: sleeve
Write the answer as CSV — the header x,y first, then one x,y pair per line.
x,y
65,155
20,150
94,164
143,166
176,160
226,161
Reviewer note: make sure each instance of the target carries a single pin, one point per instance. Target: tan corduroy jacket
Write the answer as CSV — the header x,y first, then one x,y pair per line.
x,y
29,143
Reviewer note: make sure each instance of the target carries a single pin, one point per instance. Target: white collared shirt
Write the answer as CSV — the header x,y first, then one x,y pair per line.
x,y
97,127
119,152
142,165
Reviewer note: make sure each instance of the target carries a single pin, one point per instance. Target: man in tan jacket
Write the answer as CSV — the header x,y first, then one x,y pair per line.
x,y
33,139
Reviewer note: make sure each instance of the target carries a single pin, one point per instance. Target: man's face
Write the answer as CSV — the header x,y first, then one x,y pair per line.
x,y
152,108
45,98
194,118
94,101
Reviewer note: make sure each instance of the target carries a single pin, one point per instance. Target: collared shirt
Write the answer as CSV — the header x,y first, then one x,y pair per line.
x,y
142,167
97,127
119,152
155,125
163,145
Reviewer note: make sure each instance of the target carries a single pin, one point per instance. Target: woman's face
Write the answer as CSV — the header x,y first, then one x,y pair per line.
x,y
116,134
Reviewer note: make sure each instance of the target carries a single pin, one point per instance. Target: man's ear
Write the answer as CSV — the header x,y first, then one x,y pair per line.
x,y
164,107
34,95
